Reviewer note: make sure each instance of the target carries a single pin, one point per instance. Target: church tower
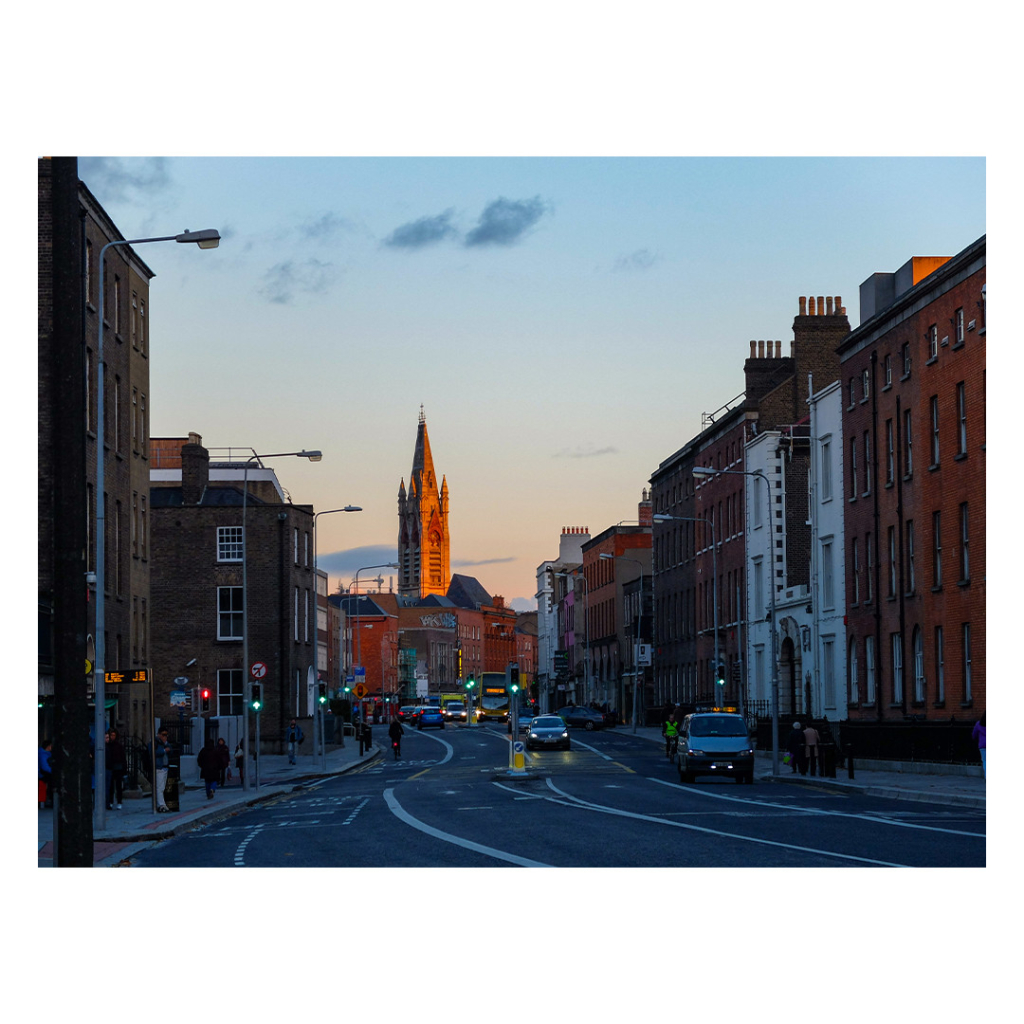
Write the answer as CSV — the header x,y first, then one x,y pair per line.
x,y
423,525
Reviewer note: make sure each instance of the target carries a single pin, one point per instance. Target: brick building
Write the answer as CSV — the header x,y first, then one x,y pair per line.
x,y
913,376
708,530
73,229
197,594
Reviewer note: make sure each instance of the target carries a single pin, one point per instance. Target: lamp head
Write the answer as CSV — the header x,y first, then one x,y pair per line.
x,y
208,238
313,456
703,471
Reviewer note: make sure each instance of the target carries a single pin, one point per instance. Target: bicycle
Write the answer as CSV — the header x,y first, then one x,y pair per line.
x,y
396,748
671,746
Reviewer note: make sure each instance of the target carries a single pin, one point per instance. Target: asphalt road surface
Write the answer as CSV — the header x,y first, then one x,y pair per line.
x,y
614,800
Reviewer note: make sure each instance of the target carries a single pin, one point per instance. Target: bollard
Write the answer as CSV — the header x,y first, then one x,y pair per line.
x,y
849,760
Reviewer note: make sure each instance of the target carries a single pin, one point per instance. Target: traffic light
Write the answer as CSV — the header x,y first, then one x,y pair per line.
x,y
470,683
323,693
257,697
514,679
204,695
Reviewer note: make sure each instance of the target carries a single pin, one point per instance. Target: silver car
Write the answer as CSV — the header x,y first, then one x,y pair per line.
x,y
715,743
547,731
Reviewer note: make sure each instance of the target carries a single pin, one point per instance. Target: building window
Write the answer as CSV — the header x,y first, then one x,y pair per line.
x,y
855,571
936,550
142,327
869,561
295,616
869,669
851,674
961,416
229,613
828,652
116,411
229,691
826,469
968,692
867,462
852,390
892,561
828,600
118,571
135,524
958,326
143,427
305,543
918,666
853,467
295,547
117,305
88,272
887,368
865,386
908,445
940,666
965,539
305,615
134,328
911,581
897,668
935,429
229,543
759,589
905,355
890,453
143,527
933,341
143,632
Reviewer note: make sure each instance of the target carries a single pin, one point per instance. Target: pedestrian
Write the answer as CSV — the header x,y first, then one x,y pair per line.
x,y
978,735
294,737
795,749
240,759
46,774
209,767
811,742
396,732
161,755
116,764
223,759
364,737
670,730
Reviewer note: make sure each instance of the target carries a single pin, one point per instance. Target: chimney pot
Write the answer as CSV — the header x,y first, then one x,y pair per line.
x,y
803,305
760,349
753,349
812,308
828,305
821,305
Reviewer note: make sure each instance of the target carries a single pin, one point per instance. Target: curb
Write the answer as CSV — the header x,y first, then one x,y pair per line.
x,y
882,791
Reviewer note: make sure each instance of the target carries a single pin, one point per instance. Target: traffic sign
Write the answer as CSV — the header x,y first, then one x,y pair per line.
x,y
258,670
361,691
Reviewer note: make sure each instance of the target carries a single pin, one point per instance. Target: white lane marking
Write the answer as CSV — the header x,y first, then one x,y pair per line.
x,y
403,815
240,852
593,750
356,810
698,791
586,805
447,746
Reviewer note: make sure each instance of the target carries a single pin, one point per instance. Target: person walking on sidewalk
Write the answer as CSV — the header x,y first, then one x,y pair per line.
x,y
396,732
978,735
811,742
209,768
116,763
295,737
240,759
161,761
223,760
795,749
364,736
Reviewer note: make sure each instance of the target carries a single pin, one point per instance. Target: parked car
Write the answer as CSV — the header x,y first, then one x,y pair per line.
x,y
547,731
455,711
576,715
408,713
430,717
715,743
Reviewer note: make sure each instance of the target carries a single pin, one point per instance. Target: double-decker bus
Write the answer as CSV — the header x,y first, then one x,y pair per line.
x,y
491,702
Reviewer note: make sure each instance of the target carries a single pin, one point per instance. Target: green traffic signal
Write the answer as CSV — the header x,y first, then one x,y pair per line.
x,y
257,697
470,683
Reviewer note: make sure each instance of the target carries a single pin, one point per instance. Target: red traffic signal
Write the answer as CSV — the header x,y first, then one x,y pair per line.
x,y
205,696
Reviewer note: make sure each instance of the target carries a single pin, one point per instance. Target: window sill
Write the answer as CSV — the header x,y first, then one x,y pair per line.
x,y
937,590
905,376
963,583
885,387
932,359
958,344
960,456
933,467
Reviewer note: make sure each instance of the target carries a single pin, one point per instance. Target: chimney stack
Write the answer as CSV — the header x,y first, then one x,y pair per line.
x,y
195,470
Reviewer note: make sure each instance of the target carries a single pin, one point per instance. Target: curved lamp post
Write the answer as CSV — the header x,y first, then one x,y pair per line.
x,y
208,238
313,456
703,472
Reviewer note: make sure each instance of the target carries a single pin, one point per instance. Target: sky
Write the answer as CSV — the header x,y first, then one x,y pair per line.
x,y
563,322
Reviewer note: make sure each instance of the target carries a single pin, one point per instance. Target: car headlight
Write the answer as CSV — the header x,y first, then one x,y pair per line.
x,y
749,752
694,753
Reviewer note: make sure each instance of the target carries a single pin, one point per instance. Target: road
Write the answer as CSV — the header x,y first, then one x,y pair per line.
x,y
612,801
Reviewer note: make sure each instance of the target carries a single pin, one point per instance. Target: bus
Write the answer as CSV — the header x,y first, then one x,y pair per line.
x,y
491,701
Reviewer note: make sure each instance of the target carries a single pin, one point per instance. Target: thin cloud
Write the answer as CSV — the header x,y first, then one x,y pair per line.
x,y
323,228
284,280
641,259
121,180
587,452
467,564
418,234
505,221
345,564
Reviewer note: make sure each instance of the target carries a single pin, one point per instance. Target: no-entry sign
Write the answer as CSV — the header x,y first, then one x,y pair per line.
x,y
258,670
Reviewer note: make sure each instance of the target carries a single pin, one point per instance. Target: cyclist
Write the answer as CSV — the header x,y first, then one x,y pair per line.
x,y
395,731
670,730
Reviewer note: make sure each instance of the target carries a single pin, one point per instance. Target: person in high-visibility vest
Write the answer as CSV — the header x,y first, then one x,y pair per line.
x,y
670,730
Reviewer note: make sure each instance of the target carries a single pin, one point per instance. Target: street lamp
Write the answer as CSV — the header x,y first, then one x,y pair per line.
x,y
636,634
316,629
208,238
586,627
702,472
663,518
313,456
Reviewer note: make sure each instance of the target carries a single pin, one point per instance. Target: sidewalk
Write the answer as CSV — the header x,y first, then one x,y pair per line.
x,y
962,785
135,824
